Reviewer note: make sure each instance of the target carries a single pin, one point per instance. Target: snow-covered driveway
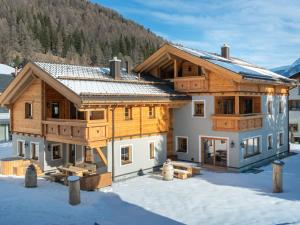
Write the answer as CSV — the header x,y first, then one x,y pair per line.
x,y
211,198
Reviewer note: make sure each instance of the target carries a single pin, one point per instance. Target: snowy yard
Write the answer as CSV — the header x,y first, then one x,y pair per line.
x,y
211,198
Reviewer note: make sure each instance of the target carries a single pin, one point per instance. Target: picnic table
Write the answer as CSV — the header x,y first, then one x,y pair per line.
x,y
73,170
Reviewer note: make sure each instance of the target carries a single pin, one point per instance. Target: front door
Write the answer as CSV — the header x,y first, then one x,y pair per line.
x,y
72,154
214,151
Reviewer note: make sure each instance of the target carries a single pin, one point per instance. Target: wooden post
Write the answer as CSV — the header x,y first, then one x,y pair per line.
x,y
74,190
175,69
277,176
237,104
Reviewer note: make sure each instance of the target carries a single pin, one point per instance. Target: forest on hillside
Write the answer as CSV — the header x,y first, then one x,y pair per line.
x,y
70,31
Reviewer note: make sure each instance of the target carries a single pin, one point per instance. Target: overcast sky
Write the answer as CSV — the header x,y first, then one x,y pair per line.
x,y
263,32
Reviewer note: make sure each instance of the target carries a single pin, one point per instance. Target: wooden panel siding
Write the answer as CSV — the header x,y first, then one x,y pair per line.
x,y
32,94
191,84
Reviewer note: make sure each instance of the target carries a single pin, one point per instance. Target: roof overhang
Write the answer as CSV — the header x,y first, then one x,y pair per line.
x,y
29,73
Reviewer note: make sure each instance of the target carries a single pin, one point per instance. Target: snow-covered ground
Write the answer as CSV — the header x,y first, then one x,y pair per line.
x,y
211,198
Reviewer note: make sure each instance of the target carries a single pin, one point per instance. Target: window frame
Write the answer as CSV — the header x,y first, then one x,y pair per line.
x,y
272,142
153,114
31,110
60,149
279,144
245,156
129,117
270,110
130,153
187,144
36,152
280,106
52,109
18,149
193,108
151,154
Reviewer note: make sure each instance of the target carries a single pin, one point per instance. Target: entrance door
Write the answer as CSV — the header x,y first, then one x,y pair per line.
x,y
214,151
72,154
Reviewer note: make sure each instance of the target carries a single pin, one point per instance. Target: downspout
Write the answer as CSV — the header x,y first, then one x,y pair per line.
x,y
113,144
288,121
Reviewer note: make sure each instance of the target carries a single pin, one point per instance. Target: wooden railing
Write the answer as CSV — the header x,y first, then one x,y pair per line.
x,y
75,131
235,123
191,84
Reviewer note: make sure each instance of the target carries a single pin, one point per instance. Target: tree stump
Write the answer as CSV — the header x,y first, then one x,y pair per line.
x,y
277,176
30,177
74,190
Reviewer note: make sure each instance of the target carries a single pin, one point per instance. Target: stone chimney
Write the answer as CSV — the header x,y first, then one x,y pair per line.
x,y
115,67
225,51
128,66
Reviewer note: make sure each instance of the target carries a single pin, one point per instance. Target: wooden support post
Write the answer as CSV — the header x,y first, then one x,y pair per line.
x,y
175,68
74,190
277,176
102,156
237,104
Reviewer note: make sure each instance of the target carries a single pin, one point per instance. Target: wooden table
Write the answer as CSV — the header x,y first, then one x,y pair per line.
x,y
73,170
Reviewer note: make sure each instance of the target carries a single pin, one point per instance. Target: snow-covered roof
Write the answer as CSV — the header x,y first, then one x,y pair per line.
x,y
247,70
5,69
96,81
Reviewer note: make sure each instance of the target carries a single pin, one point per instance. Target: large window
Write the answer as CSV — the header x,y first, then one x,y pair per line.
x,y
280,139
128,113
248,106
21,148
182,144
152,112
251,146
294,105
126,155
270,107
225,105
151,149
270,142
97,115
34,151
198,108
28,110
56,151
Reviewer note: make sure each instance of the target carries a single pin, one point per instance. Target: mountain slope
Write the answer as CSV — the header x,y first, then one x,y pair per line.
x,y
289,70
73,31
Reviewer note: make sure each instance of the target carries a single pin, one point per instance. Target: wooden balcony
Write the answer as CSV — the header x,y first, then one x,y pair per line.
x,y
237,123
191,84
82,132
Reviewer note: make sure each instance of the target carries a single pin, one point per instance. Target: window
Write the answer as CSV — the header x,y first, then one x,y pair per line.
x,y
55,110
34,149
21,148
294,105
280,106
128,113
97,115
248,106
251,147
126,155
280,139
225,105
88,154
152,112
270,142
199,108
182,144
270,105
28,110
152,149
56,152
293,127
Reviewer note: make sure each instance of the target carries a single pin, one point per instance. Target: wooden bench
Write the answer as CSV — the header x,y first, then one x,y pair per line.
x,y
183,167
181,174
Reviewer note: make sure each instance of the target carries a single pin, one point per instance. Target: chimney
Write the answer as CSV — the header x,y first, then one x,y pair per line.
x,y
225,51
115,67
128,66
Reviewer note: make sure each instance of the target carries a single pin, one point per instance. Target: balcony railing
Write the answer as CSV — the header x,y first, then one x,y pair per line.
x,y
236,123
190,84
75,131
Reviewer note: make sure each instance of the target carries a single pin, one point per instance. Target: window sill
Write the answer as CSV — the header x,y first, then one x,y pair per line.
x,y
124,163
199,116
56,159
180,151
